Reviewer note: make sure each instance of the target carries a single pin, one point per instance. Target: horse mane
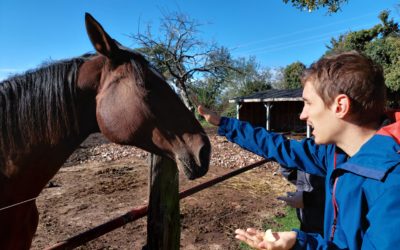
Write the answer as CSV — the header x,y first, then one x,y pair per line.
x,y
39,106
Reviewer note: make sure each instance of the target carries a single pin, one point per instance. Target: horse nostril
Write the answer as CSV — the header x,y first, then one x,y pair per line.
x,y
204,155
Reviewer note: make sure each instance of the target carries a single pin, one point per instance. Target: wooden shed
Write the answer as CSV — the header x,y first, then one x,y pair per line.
x,y
275,109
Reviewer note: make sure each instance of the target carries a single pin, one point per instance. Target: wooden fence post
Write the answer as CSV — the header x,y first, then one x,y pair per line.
x,y
163,219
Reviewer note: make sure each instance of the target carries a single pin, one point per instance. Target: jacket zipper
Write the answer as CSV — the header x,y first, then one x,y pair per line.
x,y
334,203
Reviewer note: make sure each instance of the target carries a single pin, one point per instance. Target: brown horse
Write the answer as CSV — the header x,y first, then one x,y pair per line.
x,y
45,114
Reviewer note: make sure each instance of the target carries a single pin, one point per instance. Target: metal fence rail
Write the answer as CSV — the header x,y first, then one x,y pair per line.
x,y
139,212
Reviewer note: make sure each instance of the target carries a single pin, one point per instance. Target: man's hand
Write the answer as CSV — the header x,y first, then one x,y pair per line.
x,y
267,240
293,199
210,116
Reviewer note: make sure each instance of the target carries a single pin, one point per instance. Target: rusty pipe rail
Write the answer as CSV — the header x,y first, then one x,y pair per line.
x,y
140,212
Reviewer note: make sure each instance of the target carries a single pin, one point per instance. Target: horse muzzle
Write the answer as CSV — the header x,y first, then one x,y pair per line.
x,y
195,165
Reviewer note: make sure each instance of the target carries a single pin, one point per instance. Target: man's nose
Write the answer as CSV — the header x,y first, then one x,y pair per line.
x,y
303,115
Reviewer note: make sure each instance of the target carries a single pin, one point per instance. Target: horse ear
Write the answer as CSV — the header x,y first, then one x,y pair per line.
x,y
101,41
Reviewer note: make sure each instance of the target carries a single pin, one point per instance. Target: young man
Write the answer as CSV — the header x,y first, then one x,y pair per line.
x,y
344,99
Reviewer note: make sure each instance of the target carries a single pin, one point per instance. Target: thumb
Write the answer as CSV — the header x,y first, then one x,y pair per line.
x,y
282,198
290,193
201,110
209,115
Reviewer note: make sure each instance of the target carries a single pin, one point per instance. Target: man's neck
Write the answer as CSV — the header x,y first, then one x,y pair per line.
x,y
353,137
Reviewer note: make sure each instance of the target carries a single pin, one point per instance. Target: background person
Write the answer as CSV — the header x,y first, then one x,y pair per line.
x,y
308,199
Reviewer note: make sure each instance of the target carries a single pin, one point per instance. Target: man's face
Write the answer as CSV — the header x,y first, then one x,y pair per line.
x,y
320,117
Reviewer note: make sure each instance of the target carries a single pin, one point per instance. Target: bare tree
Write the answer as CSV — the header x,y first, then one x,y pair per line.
x,y
180,54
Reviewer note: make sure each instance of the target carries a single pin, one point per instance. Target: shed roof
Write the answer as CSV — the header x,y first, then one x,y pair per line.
x,y
271,95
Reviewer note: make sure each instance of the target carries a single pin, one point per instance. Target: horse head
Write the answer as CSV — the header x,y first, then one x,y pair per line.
x,y
136,106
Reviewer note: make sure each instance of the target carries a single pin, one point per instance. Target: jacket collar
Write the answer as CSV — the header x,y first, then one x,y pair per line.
x,y
379,155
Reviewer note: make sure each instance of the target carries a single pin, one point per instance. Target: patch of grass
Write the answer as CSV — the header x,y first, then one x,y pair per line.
x,y
244,246
205,124
285,221
281,222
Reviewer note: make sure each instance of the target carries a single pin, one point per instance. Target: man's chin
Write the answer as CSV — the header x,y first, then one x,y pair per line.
x,y
318,140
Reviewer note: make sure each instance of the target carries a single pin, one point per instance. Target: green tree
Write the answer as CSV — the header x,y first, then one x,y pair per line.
x,y
357,40
248,78
311,5
387,53
382,44
208,90
292,74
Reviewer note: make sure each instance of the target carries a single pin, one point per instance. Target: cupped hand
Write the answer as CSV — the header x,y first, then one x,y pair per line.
x,y
267,240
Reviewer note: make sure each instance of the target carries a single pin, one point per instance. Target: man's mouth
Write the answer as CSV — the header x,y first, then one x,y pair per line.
x,y
311,128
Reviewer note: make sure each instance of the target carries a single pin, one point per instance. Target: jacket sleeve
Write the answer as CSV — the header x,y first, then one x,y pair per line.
x,y
311,241
304,155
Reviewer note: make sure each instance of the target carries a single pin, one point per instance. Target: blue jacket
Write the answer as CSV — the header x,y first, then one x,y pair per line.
x,y
367,189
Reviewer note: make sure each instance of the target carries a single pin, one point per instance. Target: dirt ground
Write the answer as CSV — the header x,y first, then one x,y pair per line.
x,y
102,181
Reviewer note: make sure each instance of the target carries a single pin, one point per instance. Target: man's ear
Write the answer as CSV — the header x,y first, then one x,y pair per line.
x,y
342,105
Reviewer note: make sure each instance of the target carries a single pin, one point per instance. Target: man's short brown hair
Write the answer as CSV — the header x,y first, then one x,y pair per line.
x,y
355,75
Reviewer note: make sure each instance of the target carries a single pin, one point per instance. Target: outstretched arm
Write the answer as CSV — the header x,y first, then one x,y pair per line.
x,y
304,155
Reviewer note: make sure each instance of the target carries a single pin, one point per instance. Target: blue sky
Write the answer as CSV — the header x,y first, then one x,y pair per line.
x,y
276,33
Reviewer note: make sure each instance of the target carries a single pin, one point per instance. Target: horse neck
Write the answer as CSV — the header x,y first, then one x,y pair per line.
x,y
88,79
54,116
